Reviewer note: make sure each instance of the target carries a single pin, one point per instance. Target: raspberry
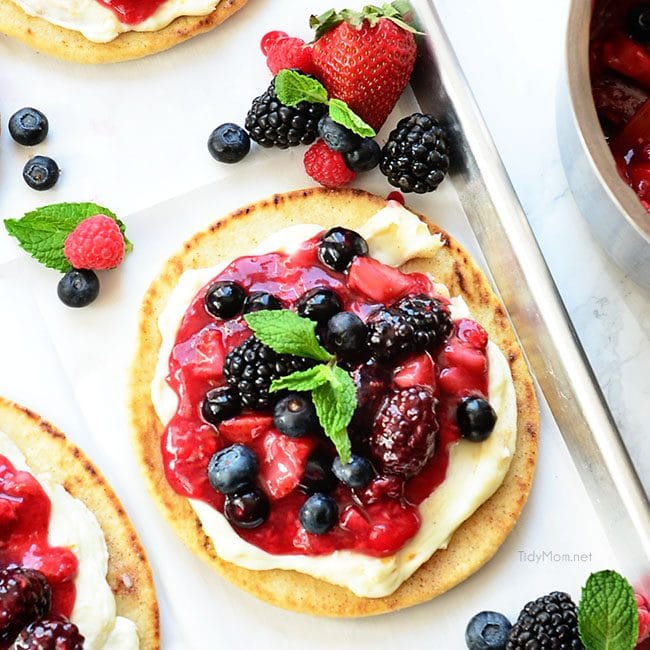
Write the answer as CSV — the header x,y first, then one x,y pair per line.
x,y
644,618
55,633
269,39
96,243
288,52
25,595
327,167
403,436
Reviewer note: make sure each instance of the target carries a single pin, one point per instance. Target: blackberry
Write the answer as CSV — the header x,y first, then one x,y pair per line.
x,y
25,595
390,334
55,633
549,622
429,318
415,157
272,124
252,366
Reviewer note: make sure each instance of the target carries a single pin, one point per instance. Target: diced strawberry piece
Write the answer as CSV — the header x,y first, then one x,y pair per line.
x,y
202,355
56,564
282,462
627,57
384,283
352,519
456,381
245,428
636,133
269,39
419,370
644,618
469,331
640,179
470,359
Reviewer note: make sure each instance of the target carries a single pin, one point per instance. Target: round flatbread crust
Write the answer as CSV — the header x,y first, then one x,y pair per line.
x,y
48,451
69,45
473,544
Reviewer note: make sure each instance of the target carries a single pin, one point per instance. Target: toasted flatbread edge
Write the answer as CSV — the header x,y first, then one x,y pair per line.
x,y
69,45
48,451
473,544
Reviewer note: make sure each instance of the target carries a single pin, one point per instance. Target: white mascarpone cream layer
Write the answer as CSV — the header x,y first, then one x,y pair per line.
x,y
475,470
73,526
98,23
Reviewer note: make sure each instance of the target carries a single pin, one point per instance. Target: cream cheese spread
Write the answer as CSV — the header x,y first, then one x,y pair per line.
x,y
475,470
73,526
99,24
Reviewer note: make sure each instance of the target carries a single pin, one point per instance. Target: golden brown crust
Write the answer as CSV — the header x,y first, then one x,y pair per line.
x,y
473,544
48,451
61,43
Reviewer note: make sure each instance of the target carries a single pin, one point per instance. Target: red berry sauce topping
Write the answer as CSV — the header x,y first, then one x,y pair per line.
x,y
132,12
620,77
411,395
24,523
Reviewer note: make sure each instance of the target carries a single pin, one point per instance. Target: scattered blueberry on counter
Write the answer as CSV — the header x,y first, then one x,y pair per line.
x,y
41,173
78,288
28,127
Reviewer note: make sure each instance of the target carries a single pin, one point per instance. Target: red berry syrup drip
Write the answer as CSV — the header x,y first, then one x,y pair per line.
x,y
24,523
620,79
376,522
132,12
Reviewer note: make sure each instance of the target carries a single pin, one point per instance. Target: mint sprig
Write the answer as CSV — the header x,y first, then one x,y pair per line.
x,y
42,232
608,617
332,389
292,87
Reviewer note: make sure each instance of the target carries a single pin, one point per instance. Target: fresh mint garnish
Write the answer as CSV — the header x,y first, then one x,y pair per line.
x,y
608,617
292,87
340,112
332,389
42,232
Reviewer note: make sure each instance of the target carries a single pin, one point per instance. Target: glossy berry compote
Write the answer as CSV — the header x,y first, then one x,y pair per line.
x,y
290,493
24,523
132,12
620,77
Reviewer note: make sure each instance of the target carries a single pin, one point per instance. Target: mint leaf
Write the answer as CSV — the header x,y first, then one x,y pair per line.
x,y
608,618
340,112
335,403
302,379
287,333
42,232
292,87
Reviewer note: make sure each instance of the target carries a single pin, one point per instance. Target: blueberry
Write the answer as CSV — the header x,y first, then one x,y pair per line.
x,y
248,509
78,288
319,513
487,631
339,246
637,23
232,469
364,157
295,415
356,473
476,418
229,143
220,404
261,301
224,299
346,335
317,476
336,136
318,304
28,126
41,173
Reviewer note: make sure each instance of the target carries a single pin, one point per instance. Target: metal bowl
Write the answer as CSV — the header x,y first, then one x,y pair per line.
x,y
613,210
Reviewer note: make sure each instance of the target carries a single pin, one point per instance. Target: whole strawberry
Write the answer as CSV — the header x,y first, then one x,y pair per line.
x,y
96,243
365,58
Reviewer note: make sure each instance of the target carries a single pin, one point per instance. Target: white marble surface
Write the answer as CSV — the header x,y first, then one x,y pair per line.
x,y
143,126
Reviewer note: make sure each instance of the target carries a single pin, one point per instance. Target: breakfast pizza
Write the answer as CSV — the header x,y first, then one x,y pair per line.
x,y
107,31
330,405
73,574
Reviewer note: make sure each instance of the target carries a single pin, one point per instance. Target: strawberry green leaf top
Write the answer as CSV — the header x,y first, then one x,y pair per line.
x,y
42,232
608,616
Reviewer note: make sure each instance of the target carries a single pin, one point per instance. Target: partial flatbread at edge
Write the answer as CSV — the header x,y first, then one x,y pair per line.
x,y
51,39
48,451
473,544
